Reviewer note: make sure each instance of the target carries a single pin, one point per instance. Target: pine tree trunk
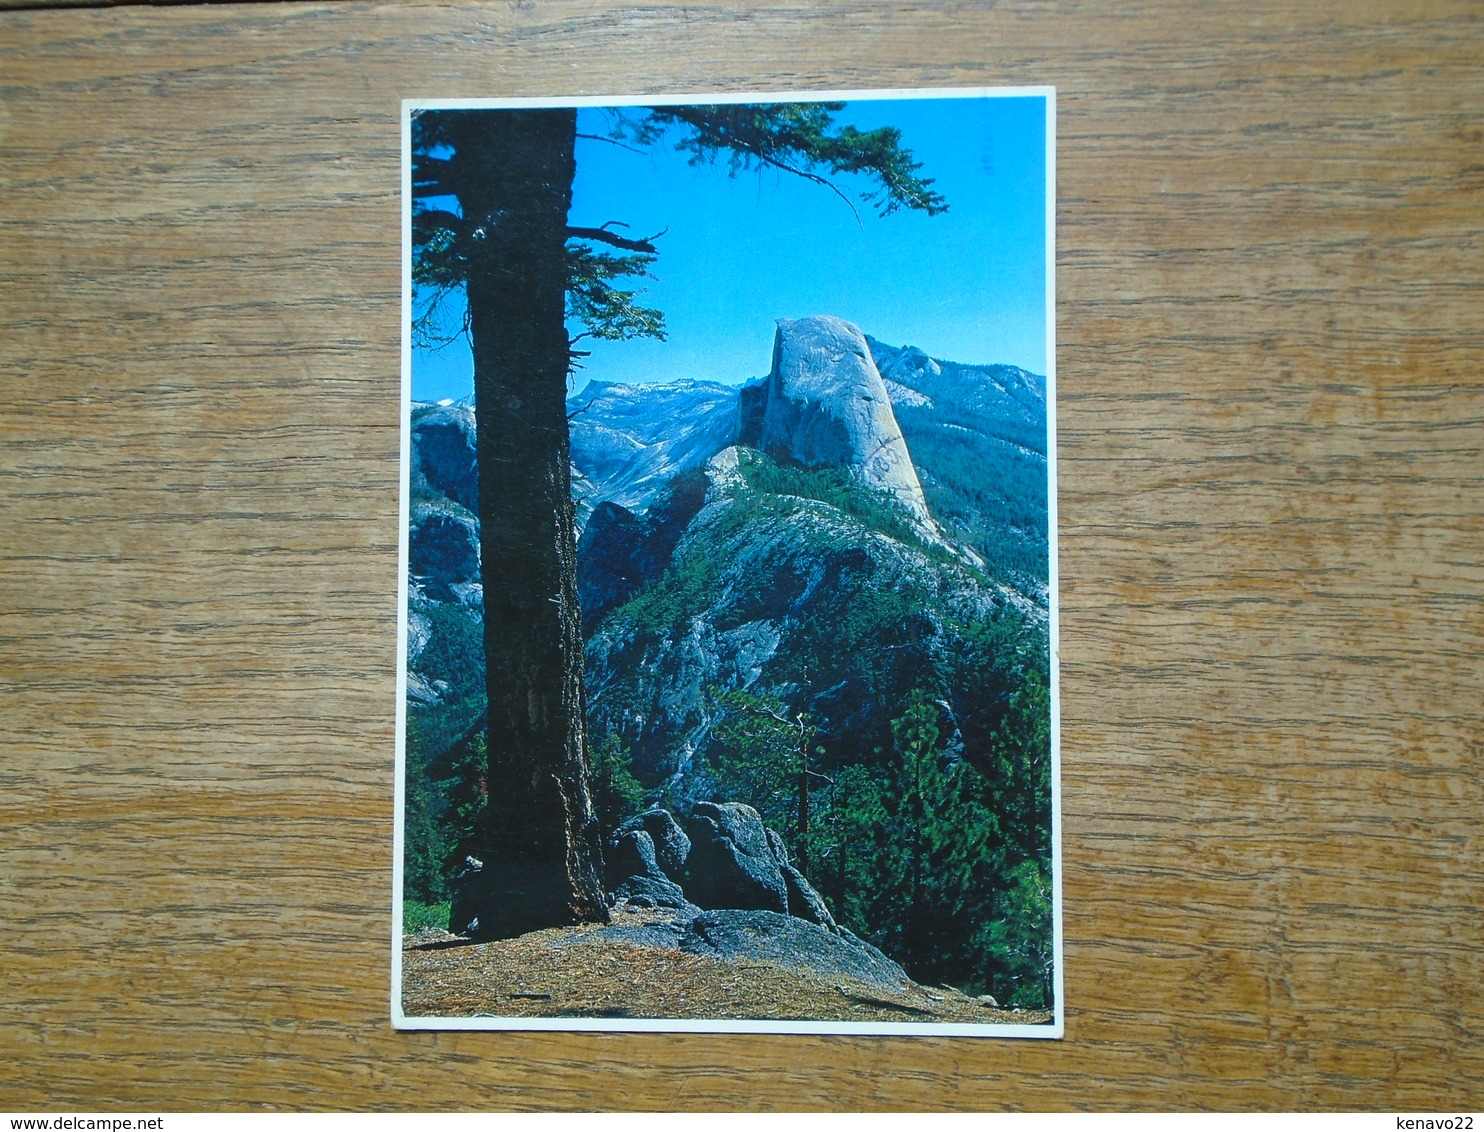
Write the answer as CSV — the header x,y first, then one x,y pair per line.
x,y
540,843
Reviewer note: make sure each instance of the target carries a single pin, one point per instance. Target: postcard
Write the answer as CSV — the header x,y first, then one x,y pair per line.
x,y
727,691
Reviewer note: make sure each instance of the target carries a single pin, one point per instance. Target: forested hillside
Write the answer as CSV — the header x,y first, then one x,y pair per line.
x,y
857,650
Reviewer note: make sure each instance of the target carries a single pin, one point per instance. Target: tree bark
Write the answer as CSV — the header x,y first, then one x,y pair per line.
x,y
539,841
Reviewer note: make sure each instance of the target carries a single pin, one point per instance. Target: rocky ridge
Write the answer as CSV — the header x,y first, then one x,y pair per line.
x,y
785,577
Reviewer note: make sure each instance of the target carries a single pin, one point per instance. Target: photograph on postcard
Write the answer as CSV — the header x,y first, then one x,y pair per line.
x,y
727,686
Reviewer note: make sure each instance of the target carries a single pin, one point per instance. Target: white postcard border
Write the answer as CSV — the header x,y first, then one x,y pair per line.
x,y
403,1021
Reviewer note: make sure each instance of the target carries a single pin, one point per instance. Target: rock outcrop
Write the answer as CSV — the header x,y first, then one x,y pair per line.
x,y
630,852
731,862
788,941
743,936
443,460
804,901
824,404
443,553
634,859
737,898
652,892
671,845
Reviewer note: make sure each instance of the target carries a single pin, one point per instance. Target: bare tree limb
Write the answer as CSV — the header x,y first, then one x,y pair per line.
x,y
603,236
611,141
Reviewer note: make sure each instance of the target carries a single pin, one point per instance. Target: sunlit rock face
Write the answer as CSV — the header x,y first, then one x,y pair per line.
x,y
824,404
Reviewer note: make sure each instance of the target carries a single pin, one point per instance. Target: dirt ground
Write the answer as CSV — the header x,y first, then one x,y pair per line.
x,y
574,972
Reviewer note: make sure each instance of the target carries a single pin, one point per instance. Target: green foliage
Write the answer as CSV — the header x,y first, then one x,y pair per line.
x,y
446,791
942,828
439,240
798,138
835,487
616,793
991,495
417,915
462,776
667,603
422,835
872,637
916,850
607,311
455,648
756,757
595,299
855,862
445,758
1018,937
1001,679
1019,766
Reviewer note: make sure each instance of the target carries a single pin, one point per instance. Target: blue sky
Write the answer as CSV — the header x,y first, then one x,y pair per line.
x,y
740,253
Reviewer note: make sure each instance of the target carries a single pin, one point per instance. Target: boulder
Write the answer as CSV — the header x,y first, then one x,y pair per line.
x,y
804,901
731,863
633,858
652,892
630,853
671,845
732,935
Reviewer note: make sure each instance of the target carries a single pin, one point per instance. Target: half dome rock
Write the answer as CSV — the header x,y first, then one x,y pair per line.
x,y
825,405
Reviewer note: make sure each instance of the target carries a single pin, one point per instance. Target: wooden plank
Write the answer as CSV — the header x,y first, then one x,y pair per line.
x,y
1272,551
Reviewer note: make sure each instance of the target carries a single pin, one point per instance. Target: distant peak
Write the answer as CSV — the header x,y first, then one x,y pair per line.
x,y
821,324
824,404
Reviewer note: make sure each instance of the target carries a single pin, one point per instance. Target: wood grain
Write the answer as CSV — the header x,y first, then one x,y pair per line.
x,y
1271,424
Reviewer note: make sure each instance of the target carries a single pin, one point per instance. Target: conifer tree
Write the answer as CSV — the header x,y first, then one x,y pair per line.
x,y
492,193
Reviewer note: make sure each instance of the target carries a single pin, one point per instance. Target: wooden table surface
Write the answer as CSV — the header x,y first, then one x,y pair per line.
x,y
1271,429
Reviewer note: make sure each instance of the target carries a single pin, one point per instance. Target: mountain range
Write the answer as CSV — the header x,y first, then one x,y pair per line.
x,y
828,538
